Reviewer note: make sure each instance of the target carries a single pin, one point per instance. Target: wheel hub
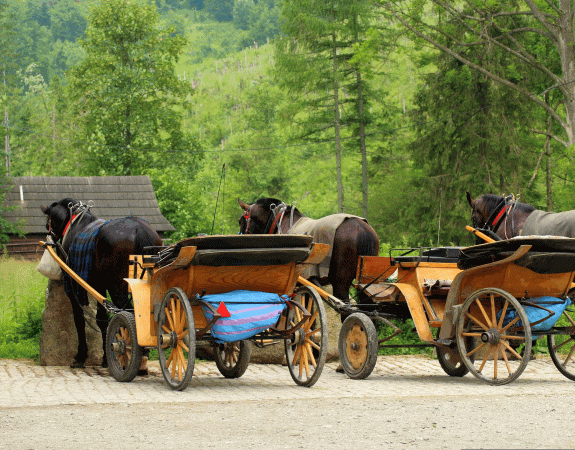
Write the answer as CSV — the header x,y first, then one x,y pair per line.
x,y
119,347
299,337
169,340
490,337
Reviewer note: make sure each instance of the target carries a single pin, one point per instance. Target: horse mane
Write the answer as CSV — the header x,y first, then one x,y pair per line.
x,y
491,201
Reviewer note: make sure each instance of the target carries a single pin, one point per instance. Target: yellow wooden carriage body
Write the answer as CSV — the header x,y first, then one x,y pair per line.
x,y
433,305
149,282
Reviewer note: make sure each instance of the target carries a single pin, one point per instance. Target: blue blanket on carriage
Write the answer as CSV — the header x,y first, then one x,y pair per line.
x,y
250,312
534,314
80,256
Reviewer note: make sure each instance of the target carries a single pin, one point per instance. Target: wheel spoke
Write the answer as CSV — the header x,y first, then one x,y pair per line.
x,y
563,343
178,315
310,353
493,314
514,337
511,350
513,322
467,314
483,344
485,358
569,356
311,321
296,355
169,318
478,301
503,313
495,356
170,358
506,362
476,334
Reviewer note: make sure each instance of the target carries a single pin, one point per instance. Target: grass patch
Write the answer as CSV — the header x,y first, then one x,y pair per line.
x,y
22,301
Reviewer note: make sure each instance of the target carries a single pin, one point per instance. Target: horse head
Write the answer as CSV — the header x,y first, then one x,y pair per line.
x,y
260,217
498,214
58,216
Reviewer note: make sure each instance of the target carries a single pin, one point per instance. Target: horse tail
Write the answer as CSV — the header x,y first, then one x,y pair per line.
x,y
367,241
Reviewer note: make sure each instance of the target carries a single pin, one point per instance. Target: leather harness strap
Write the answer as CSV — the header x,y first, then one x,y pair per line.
x,y
500,215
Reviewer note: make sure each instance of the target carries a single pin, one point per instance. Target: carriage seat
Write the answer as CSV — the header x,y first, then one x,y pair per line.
x,y
433,255
548,254
242,250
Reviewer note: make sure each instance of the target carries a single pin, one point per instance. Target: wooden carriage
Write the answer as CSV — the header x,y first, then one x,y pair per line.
x,y
480,306
170,286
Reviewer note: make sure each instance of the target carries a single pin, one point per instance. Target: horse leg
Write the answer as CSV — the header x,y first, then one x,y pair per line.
x,y
80,324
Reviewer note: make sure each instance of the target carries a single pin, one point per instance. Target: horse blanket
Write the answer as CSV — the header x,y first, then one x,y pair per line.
x,y
80,258
323,232
541,223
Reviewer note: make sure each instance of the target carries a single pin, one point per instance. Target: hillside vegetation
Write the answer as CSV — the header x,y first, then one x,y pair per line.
x,y
330,107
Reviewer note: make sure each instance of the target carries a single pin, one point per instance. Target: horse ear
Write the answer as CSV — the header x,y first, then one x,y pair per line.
x,y
44,209
469,199
243,205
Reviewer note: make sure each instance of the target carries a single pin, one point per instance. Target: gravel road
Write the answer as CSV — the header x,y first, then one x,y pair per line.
x,y
407,403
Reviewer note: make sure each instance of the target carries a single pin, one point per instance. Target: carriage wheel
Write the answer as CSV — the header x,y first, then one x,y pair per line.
x,y
562,346
451,362
306,349
176,339
493,343
233,358
123,353
358,346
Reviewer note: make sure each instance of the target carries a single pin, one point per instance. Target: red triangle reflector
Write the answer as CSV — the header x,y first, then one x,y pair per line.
x,y
223,311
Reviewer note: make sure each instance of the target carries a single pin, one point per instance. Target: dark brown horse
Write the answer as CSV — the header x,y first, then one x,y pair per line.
x,y
108,255
504,218
352,237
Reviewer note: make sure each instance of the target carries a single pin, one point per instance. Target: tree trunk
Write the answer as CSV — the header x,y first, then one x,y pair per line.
x,y
363,150
336,122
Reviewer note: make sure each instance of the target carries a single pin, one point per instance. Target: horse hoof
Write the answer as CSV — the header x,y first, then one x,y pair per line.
x,y
143,371
339,369
77,364
105,362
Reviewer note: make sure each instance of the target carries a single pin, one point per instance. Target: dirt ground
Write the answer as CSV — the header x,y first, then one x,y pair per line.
x,y
407,402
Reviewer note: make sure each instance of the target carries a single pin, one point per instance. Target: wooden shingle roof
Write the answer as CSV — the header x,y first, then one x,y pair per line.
x,y
113,197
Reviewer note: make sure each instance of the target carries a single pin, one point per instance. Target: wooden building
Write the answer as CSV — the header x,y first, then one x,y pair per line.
x,y
112,197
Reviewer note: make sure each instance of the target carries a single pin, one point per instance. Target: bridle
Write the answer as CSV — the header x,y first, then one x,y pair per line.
x,y
500,214
74,212
275,218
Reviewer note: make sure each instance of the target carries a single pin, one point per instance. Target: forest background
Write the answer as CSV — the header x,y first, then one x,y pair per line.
x,y
391,110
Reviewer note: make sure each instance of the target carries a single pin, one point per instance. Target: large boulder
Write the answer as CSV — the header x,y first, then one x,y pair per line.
x,y
59,340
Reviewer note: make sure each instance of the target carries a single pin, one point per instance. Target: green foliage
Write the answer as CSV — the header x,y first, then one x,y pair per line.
x,y
127,95
408,336
21,306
